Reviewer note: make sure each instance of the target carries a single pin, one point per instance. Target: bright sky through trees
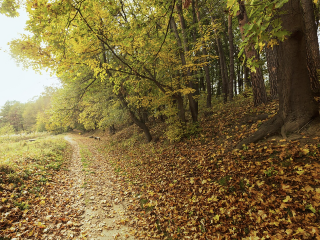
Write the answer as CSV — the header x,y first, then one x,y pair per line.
x,y
16,83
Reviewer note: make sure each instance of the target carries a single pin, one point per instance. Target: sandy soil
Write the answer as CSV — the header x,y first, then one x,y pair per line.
x,y
104,216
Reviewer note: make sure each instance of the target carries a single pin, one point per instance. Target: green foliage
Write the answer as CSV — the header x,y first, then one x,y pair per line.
x,y
9,8
30,161
224,180
174,131
11,113
22,205
269,172
264,28
7,129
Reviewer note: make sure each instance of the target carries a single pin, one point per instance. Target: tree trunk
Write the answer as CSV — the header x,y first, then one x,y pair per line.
x,y
202,85
192,102
247,81
240,79
205,67
223,70
313,56
122,99
272,63
181,109
231,58
297,106
140,123
258,87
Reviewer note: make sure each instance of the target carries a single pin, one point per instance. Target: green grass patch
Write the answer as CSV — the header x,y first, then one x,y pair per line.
x,y
26,168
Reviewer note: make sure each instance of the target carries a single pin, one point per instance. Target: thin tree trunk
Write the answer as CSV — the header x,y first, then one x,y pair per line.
x,y
247,80
240,79
258,87
181,109
140,123
313,56
202,85
231,58
205,67
192,102
223,70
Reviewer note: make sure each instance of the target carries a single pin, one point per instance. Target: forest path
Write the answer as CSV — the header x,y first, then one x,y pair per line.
x,y
99,193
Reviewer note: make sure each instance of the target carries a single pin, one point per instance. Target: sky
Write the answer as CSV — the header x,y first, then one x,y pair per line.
x,y
15,82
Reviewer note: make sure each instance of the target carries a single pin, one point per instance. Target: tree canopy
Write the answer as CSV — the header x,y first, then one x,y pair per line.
x,y
155,58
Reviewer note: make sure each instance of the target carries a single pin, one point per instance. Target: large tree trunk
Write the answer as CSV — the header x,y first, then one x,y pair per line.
x,y
272,63
258,87
313,56
231,53
297,106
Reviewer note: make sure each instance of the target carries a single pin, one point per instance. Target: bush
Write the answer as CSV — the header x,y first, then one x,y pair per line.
x,y
7,129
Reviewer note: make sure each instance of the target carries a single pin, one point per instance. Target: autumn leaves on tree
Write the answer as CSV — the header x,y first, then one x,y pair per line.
x,y
165,58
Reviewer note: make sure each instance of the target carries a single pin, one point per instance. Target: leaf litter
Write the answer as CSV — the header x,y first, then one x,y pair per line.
x,y
198,188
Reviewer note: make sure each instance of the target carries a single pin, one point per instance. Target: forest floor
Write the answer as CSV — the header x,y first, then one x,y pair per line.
x,y
199,188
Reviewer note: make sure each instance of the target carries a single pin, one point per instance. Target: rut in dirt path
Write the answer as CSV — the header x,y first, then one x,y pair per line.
x,y
104,207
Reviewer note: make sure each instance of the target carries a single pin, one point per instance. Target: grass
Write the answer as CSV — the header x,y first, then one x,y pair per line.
x,y
26,168
85,159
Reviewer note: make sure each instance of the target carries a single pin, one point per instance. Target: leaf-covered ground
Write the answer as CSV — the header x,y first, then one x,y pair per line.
x,y
82,199
201,189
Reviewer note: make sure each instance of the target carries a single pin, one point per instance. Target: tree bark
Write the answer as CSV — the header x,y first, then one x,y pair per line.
x,y
297,106
247,81
139,122
313,56
181,109
193,104
231,58
224,75
272,64
205,67
258,87
240,79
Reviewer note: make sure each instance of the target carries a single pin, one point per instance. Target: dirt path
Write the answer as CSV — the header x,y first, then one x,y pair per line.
x,y
99,195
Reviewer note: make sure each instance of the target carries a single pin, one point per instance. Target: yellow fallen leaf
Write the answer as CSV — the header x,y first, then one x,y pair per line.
x,y
3,199
305,151
43,202
213,198
300,230
308,188
289,231
287,199
300,172
216,218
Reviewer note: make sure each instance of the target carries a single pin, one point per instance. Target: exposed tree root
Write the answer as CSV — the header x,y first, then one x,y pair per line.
x,y
276,125
269,127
